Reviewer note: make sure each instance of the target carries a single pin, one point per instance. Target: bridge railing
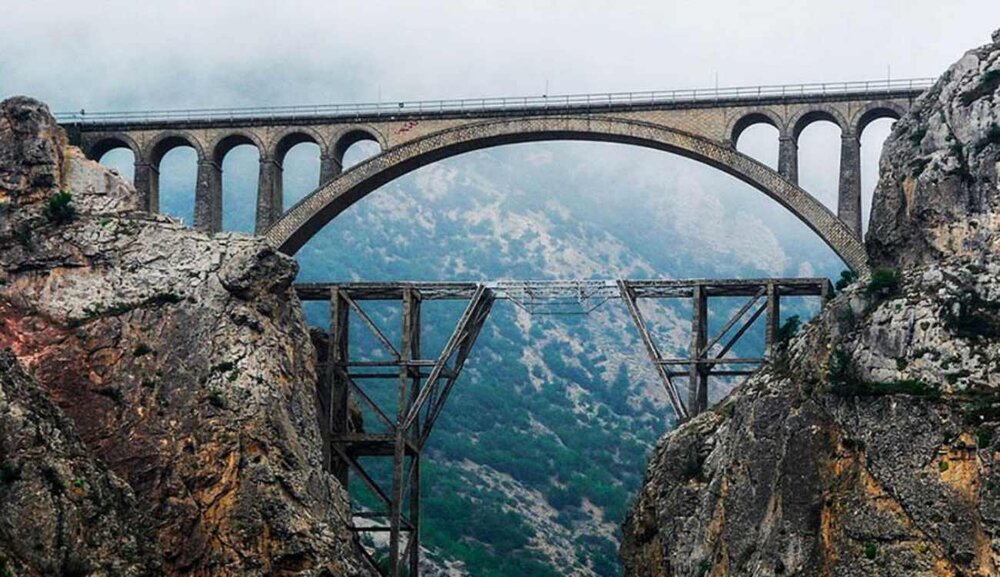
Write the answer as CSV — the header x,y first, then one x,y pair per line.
x,y
505,103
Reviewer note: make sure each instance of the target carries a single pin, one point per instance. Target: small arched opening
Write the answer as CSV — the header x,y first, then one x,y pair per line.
x,y
757,135
873,127
117,154
298,157
355,147
174,175
818,139
238,158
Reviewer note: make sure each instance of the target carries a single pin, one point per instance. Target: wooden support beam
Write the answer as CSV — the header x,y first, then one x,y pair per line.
x,y
629,298
773,319
337,358
698,374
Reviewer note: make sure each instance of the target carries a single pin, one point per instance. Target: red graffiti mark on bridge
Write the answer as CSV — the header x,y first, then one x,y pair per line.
x,y
407,126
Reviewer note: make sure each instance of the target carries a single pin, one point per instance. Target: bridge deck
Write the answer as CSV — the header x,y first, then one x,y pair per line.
x,y
564,289
492,106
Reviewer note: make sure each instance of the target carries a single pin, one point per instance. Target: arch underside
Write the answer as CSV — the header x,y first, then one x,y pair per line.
x,y
312,213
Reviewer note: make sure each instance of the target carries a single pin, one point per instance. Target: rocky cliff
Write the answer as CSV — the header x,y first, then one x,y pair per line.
x,y
868,446
185,365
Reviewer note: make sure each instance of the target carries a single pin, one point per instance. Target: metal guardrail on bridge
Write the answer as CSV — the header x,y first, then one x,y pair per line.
x,y
504,103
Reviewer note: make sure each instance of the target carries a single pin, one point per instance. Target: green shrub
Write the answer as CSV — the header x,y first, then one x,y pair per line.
x,y
984,436
788,329
112,393
918,135
54,480
847,278
60,209
993,134
943,466
141,349
216,399
884,282
871,550
9,473
694,468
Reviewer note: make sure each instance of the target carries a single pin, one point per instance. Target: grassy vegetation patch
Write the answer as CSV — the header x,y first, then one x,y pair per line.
x,y
982,407
973,317
884,283
845,381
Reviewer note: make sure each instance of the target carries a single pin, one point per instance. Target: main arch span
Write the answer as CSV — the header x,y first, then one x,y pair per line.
x,y
702,124
314,211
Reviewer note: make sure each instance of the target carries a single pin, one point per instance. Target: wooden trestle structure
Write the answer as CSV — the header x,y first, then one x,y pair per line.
x,y
424,382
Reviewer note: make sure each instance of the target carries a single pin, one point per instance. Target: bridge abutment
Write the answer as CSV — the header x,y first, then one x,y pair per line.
x,y
849,197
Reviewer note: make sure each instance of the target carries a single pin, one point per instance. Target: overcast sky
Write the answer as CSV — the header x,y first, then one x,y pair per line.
x,y
144,54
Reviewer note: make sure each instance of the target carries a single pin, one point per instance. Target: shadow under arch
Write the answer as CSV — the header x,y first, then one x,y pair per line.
x,y
321,206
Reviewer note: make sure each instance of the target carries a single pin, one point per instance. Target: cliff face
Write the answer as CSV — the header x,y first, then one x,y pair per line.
x,y
182,359
869,446
64,513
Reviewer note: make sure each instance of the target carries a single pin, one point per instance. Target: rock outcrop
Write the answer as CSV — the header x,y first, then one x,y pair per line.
x,y
868,446
937,194
64,513
183,359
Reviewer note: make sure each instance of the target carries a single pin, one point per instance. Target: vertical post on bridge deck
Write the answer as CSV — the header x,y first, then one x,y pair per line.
x,y
773,318
698,370
409,389
336,374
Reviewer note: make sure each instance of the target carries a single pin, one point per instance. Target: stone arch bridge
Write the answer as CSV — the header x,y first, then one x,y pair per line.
x,y
700,124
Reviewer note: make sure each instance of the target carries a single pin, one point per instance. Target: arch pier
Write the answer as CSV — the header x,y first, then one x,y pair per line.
x,y
400,423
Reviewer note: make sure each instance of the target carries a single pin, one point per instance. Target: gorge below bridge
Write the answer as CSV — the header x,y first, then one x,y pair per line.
x,y
703,125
